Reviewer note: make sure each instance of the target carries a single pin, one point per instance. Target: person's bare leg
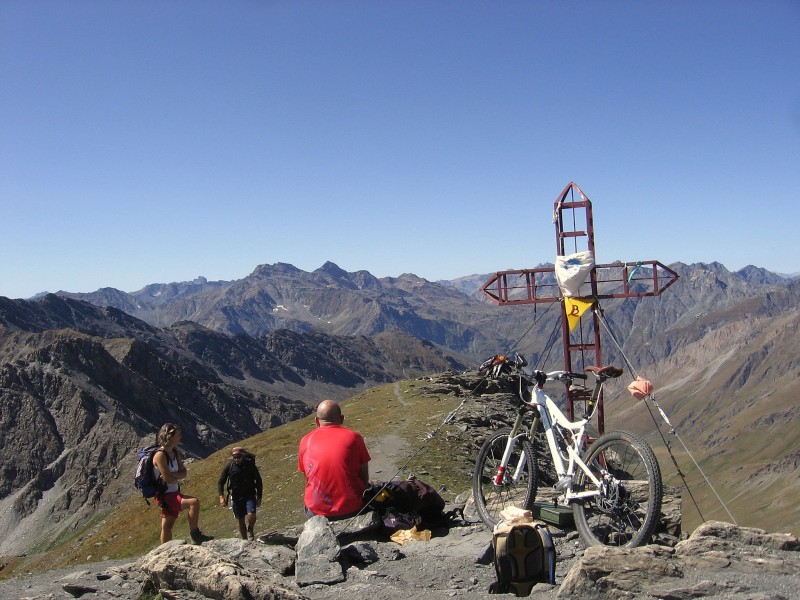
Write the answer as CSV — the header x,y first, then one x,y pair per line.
x,y
166,529
251,522
193,515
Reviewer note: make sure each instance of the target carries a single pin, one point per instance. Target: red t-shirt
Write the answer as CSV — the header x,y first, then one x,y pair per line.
x,y
330,457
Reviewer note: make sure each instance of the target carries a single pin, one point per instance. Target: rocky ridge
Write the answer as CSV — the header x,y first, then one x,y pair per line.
x,y
452,314
717,560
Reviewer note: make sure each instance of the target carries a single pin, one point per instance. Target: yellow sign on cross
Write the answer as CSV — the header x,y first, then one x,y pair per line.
x,y
574,308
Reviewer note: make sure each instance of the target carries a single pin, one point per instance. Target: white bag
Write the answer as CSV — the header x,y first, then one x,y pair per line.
x,y
572,271
513,515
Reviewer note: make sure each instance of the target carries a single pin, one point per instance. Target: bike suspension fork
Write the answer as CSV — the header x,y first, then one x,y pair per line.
x,y
501,468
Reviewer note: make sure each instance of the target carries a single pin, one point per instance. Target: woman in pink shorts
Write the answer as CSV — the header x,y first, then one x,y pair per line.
x,y
169,466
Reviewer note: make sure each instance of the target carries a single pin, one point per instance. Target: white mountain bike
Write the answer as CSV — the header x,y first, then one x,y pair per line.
x,y
614,486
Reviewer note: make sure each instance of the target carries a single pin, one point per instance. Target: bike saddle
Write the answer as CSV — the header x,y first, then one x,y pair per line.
x,y
608,371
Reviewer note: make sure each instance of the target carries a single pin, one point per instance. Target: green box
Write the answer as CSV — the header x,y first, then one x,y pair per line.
x,y
560,516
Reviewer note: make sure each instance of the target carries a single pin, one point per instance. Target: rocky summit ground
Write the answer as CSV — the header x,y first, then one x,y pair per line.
x,y
718,560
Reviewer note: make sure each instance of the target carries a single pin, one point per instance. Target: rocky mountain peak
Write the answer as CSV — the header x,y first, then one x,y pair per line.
x,y
760,276
332,270
266,270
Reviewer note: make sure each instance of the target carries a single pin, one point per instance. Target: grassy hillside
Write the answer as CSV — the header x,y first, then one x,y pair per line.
x,y
394,419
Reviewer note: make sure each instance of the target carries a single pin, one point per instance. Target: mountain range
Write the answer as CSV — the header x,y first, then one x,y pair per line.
x,y
87,378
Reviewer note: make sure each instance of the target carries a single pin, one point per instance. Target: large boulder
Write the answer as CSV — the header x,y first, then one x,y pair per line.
x,y
720,545
177,565
606,572
718,559
318,554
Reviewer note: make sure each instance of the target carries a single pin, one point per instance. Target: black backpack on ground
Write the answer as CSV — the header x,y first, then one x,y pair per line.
x,y
414,495
409,503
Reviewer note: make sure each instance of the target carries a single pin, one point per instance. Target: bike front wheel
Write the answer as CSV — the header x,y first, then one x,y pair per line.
x,y
627,508
494,488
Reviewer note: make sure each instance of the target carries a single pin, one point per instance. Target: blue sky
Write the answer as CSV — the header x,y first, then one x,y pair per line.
x,y
150,142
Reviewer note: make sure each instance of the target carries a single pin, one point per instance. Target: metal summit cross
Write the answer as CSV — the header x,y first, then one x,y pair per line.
x,y
572,215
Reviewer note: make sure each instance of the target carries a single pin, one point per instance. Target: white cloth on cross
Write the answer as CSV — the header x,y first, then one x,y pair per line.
x,y
572,270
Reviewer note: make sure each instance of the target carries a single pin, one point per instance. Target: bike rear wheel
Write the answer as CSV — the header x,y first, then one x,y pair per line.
x,y
628,508
518,481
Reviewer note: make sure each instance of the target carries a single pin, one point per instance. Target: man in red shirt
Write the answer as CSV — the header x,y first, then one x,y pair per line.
x,y
335,462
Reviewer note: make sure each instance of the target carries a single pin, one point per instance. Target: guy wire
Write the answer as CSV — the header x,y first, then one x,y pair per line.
x,y
652,399
536,319
428,438
447,420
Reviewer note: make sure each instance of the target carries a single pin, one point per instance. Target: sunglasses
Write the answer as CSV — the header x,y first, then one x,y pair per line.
x,y
235,456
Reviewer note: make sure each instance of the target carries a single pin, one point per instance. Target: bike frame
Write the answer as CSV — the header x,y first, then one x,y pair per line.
x,y
548,412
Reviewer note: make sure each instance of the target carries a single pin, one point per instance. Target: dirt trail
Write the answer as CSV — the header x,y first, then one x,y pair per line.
x,y
385,450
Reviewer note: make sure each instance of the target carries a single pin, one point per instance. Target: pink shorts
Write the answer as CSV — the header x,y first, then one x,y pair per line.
x,y
170,504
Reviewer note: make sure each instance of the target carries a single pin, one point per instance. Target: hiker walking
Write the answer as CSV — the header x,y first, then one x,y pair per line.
x,y
169,466
244,487
335,462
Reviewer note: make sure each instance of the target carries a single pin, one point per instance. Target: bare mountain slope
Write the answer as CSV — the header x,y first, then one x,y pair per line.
x,y
729,387
81,387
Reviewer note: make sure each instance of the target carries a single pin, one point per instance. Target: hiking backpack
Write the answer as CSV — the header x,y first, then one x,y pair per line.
x,y
409,503
416,496
237,472
144,478
524,555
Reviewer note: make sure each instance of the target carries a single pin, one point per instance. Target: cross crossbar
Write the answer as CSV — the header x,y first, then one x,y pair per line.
x,y
617,280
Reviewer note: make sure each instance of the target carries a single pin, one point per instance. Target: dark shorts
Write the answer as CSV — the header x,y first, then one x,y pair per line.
x,y
243,506
170,504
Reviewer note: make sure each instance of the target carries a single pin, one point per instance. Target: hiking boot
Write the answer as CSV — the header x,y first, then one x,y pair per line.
x,y
251,535
198,537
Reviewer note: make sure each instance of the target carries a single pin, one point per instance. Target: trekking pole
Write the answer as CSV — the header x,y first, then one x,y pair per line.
x,y
428,437
447,420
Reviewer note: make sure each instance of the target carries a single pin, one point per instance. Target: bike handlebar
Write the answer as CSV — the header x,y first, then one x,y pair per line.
x,y
499,364
540,377
565,376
